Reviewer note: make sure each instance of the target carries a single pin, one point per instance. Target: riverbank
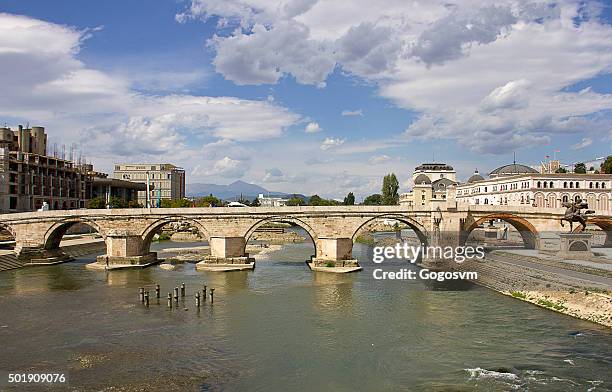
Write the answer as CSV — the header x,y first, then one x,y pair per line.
x,y
579,294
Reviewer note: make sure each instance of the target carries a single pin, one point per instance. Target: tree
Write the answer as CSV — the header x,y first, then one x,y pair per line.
x,y
389,190
96,202
176,203
208,201
296,201
561,170
255,202
373,200
349,200
580,168
117,202
606,166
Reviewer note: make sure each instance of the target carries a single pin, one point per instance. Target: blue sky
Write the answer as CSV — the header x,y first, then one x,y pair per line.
x,y
311,96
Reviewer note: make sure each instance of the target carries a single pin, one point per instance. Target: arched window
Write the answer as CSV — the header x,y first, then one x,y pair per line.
x,y
571,184
576,197
539,184
564,184
486,201
551,185
565,199
603,185
522,199
577,185
591,184
597,185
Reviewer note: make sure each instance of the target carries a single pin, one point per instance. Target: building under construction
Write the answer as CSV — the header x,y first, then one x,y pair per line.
x,y
29,177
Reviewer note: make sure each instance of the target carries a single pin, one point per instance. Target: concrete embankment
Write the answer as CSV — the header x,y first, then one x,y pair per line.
x,y
74,247
578,293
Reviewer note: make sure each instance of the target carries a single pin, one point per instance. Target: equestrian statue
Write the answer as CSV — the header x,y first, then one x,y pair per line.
x,y
573,213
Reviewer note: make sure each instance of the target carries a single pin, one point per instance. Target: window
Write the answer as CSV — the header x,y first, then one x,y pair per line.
x,y
591,184
571,184
564,184
551,185
597,185
603,185
565,199
577,185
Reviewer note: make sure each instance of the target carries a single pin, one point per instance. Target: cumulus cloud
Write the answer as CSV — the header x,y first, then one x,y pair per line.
x,y
585,142
228,168
357,112
50,86
331,142
313,127
492,75
274,175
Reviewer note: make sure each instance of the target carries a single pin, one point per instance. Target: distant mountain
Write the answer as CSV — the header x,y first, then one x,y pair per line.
x,y
231,191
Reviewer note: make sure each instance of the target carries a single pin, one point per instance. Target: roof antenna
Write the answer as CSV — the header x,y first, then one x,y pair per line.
x,y
514,162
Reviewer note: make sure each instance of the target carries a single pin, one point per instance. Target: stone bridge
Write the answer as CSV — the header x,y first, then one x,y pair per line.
x,y
128,232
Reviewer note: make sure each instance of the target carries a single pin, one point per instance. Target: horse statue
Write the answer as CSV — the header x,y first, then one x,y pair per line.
x,y
573,213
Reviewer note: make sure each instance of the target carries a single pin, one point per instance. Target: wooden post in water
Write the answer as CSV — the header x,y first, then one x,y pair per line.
x,y
204,293
212,295
182,289
146,299
197,299
176,297
170,300
157,291
141,294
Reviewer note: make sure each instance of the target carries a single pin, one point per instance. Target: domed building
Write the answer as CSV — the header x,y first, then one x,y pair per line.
x,y
431,181
513,169
520,185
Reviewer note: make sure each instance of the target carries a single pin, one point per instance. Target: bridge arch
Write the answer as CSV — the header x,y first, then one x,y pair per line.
x,y
153,228
282,219
11,231
418,228
528,232
53,236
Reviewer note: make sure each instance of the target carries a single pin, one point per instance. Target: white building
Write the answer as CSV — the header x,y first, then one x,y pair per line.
x,y
431,181
516,185
268,201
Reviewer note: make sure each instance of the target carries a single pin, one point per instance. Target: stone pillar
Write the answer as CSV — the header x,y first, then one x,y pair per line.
x,y
334,252
124,249
227,254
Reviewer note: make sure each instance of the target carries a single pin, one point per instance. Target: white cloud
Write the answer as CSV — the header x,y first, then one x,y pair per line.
x,y
357,112
313,127
228,168
274,175
50,86
330,142
490,75
585,142
378,159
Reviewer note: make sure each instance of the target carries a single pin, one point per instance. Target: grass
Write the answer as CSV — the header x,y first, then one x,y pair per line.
x,y
598,290
163,237
330,264
551,305
518,294
367,239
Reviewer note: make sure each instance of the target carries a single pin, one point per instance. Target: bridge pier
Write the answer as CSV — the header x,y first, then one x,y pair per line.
x,y
124,250
334,255
227,254
38,255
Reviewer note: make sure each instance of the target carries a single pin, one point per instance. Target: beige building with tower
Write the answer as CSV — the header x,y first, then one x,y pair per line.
x,y
164,181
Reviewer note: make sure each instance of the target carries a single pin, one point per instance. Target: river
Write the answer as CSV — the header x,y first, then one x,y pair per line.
x,y
282,327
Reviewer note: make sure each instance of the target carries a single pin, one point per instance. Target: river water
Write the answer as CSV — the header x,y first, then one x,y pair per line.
x,y
282,327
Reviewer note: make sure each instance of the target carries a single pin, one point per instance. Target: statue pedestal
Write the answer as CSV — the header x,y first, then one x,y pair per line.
x,y
575,245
